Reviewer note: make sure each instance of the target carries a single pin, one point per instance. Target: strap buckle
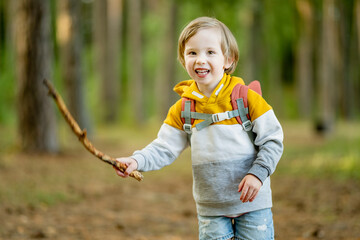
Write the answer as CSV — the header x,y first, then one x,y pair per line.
x,y
218,117
187,128
247,125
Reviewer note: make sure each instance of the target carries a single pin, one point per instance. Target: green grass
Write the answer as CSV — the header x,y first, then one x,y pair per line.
x,y
310,155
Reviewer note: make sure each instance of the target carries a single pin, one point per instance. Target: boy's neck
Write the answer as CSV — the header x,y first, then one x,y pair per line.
x,y
207,90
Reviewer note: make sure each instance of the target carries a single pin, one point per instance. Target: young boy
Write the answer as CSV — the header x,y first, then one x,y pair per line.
x,y
231,172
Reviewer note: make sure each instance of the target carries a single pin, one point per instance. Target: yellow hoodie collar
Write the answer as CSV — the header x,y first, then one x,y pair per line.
x,y
190,90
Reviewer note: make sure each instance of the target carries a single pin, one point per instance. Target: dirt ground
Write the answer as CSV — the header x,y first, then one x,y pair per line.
x,y
161,207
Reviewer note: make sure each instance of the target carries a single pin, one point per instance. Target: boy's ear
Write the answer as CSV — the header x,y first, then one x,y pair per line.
x,y
228,63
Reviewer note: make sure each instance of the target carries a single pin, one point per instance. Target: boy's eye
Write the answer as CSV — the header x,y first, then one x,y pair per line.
x,y
192,53
211,52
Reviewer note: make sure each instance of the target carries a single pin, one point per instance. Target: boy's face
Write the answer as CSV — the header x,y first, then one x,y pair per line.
x,y
204,59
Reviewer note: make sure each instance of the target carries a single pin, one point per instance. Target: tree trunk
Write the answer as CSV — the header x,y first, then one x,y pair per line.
x,y
166,71
35,111
111,83
357,27
256,57
3,20
328,72
357,22
347,18
69,38
106,40
356,57
135,56
304,63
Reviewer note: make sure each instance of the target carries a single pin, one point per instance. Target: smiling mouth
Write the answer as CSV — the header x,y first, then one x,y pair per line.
x,y
202,71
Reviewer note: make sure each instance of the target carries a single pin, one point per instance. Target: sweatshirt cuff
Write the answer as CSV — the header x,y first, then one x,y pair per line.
x,y
259,171
140,161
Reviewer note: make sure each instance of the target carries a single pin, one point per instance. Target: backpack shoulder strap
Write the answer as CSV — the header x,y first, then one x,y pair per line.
x,y
239,102
187,106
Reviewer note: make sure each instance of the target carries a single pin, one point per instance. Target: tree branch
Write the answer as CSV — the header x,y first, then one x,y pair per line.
x,y
82,134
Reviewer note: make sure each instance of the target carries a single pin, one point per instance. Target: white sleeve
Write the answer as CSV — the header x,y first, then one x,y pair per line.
x,y
161,152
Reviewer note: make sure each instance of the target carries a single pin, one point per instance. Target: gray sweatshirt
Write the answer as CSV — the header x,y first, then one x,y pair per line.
x,y
222,153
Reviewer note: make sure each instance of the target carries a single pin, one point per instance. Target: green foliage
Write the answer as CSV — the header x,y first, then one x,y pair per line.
x,y
92,86
152,58
291,105
2,24
7,89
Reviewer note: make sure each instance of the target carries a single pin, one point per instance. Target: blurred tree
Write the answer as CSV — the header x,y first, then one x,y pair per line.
x,y
135,49
357,22
107,40
256,53
275,46
111,85
346,17
304,56
35,111
4,8
351,46
280,41
328,69
2,30
355,71
167,68
70,41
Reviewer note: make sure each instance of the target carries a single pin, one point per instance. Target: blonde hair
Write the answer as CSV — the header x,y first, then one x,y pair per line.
x,y
228,43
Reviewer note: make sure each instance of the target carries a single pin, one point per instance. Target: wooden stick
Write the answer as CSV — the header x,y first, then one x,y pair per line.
x,y
82,134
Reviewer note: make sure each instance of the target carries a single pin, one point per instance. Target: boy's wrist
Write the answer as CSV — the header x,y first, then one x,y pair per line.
x,y
259,171
139,160
255,177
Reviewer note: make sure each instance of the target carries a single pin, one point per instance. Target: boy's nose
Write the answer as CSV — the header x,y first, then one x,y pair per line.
x,y
200,60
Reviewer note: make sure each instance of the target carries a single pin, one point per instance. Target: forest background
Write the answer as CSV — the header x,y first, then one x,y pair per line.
x,y
114,62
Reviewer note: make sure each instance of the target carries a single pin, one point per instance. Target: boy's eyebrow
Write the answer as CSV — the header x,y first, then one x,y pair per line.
x,y
207,48
190,49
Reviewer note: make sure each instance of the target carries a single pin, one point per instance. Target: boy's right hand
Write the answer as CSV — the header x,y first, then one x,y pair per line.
x,y
131,166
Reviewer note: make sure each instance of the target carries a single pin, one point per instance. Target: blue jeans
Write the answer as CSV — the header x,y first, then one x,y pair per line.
x,y
257,225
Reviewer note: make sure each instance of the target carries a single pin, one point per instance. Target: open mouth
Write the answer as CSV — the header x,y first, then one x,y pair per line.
x,y
202,72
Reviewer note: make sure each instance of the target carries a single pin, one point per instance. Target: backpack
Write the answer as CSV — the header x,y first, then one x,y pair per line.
x,y
240,110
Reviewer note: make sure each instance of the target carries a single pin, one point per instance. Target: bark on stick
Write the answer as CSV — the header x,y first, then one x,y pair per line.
x,y
82,134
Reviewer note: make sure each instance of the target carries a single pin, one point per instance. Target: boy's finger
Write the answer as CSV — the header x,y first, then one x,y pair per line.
x,y
129,169
248,195
241,185
119,173
252,198
245,198
243,194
